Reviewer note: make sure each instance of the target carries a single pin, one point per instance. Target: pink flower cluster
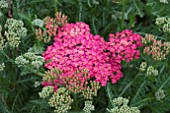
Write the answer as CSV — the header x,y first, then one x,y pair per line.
x,y
75,48
123,45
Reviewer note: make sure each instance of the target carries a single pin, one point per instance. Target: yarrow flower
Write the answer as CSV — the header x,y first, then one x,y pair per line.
x,y
29,62
143,66
51,26
88,106
46,91
123,45
121,106
15,30
159,94
151,71
164,23
75,48
61,100
156,48
79,83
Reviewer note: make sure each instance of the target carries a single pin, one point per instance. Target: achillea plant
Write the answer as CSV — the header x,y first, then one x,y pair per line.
x,y
75,48
82,62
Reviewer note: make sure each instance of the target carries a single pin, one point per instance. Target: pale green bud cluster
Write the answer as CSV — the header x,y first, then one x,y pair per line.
x,y
52,74
125,109
14,32
2,66
38,22
143,66
91,90
164,23
21,61
29,62
159,94
166,47
3,4
151,71
88,106
46,91
2,40
164,1
121,106
120,101
61,100
156,48
29,58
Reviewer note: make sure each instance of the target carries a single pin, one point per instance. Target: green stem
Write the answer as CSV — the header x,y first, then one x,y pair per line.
x,y
55,5
127,86
75,104
80,10
123,14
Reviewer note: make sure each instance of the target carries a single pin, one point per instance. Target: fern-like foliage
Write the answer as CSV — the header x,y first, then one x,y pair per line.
x,y
158,8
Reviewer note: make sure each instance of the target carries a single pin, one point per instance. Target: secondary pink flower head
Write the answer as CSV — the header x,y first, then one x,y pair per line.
x,y
75,48
123,45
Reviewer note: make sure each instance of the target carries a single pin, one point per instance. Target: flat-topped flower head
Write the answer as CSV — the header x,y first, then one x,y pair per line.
x,y
75,48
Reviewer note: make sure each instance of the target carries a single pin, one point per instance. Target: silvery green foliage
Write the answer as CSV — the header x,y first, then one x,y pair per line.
x,y
46,91
159,94
38,22
159,7
14,31
2,66
120,101
3,4
29,62
88,106
121,106
61,100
